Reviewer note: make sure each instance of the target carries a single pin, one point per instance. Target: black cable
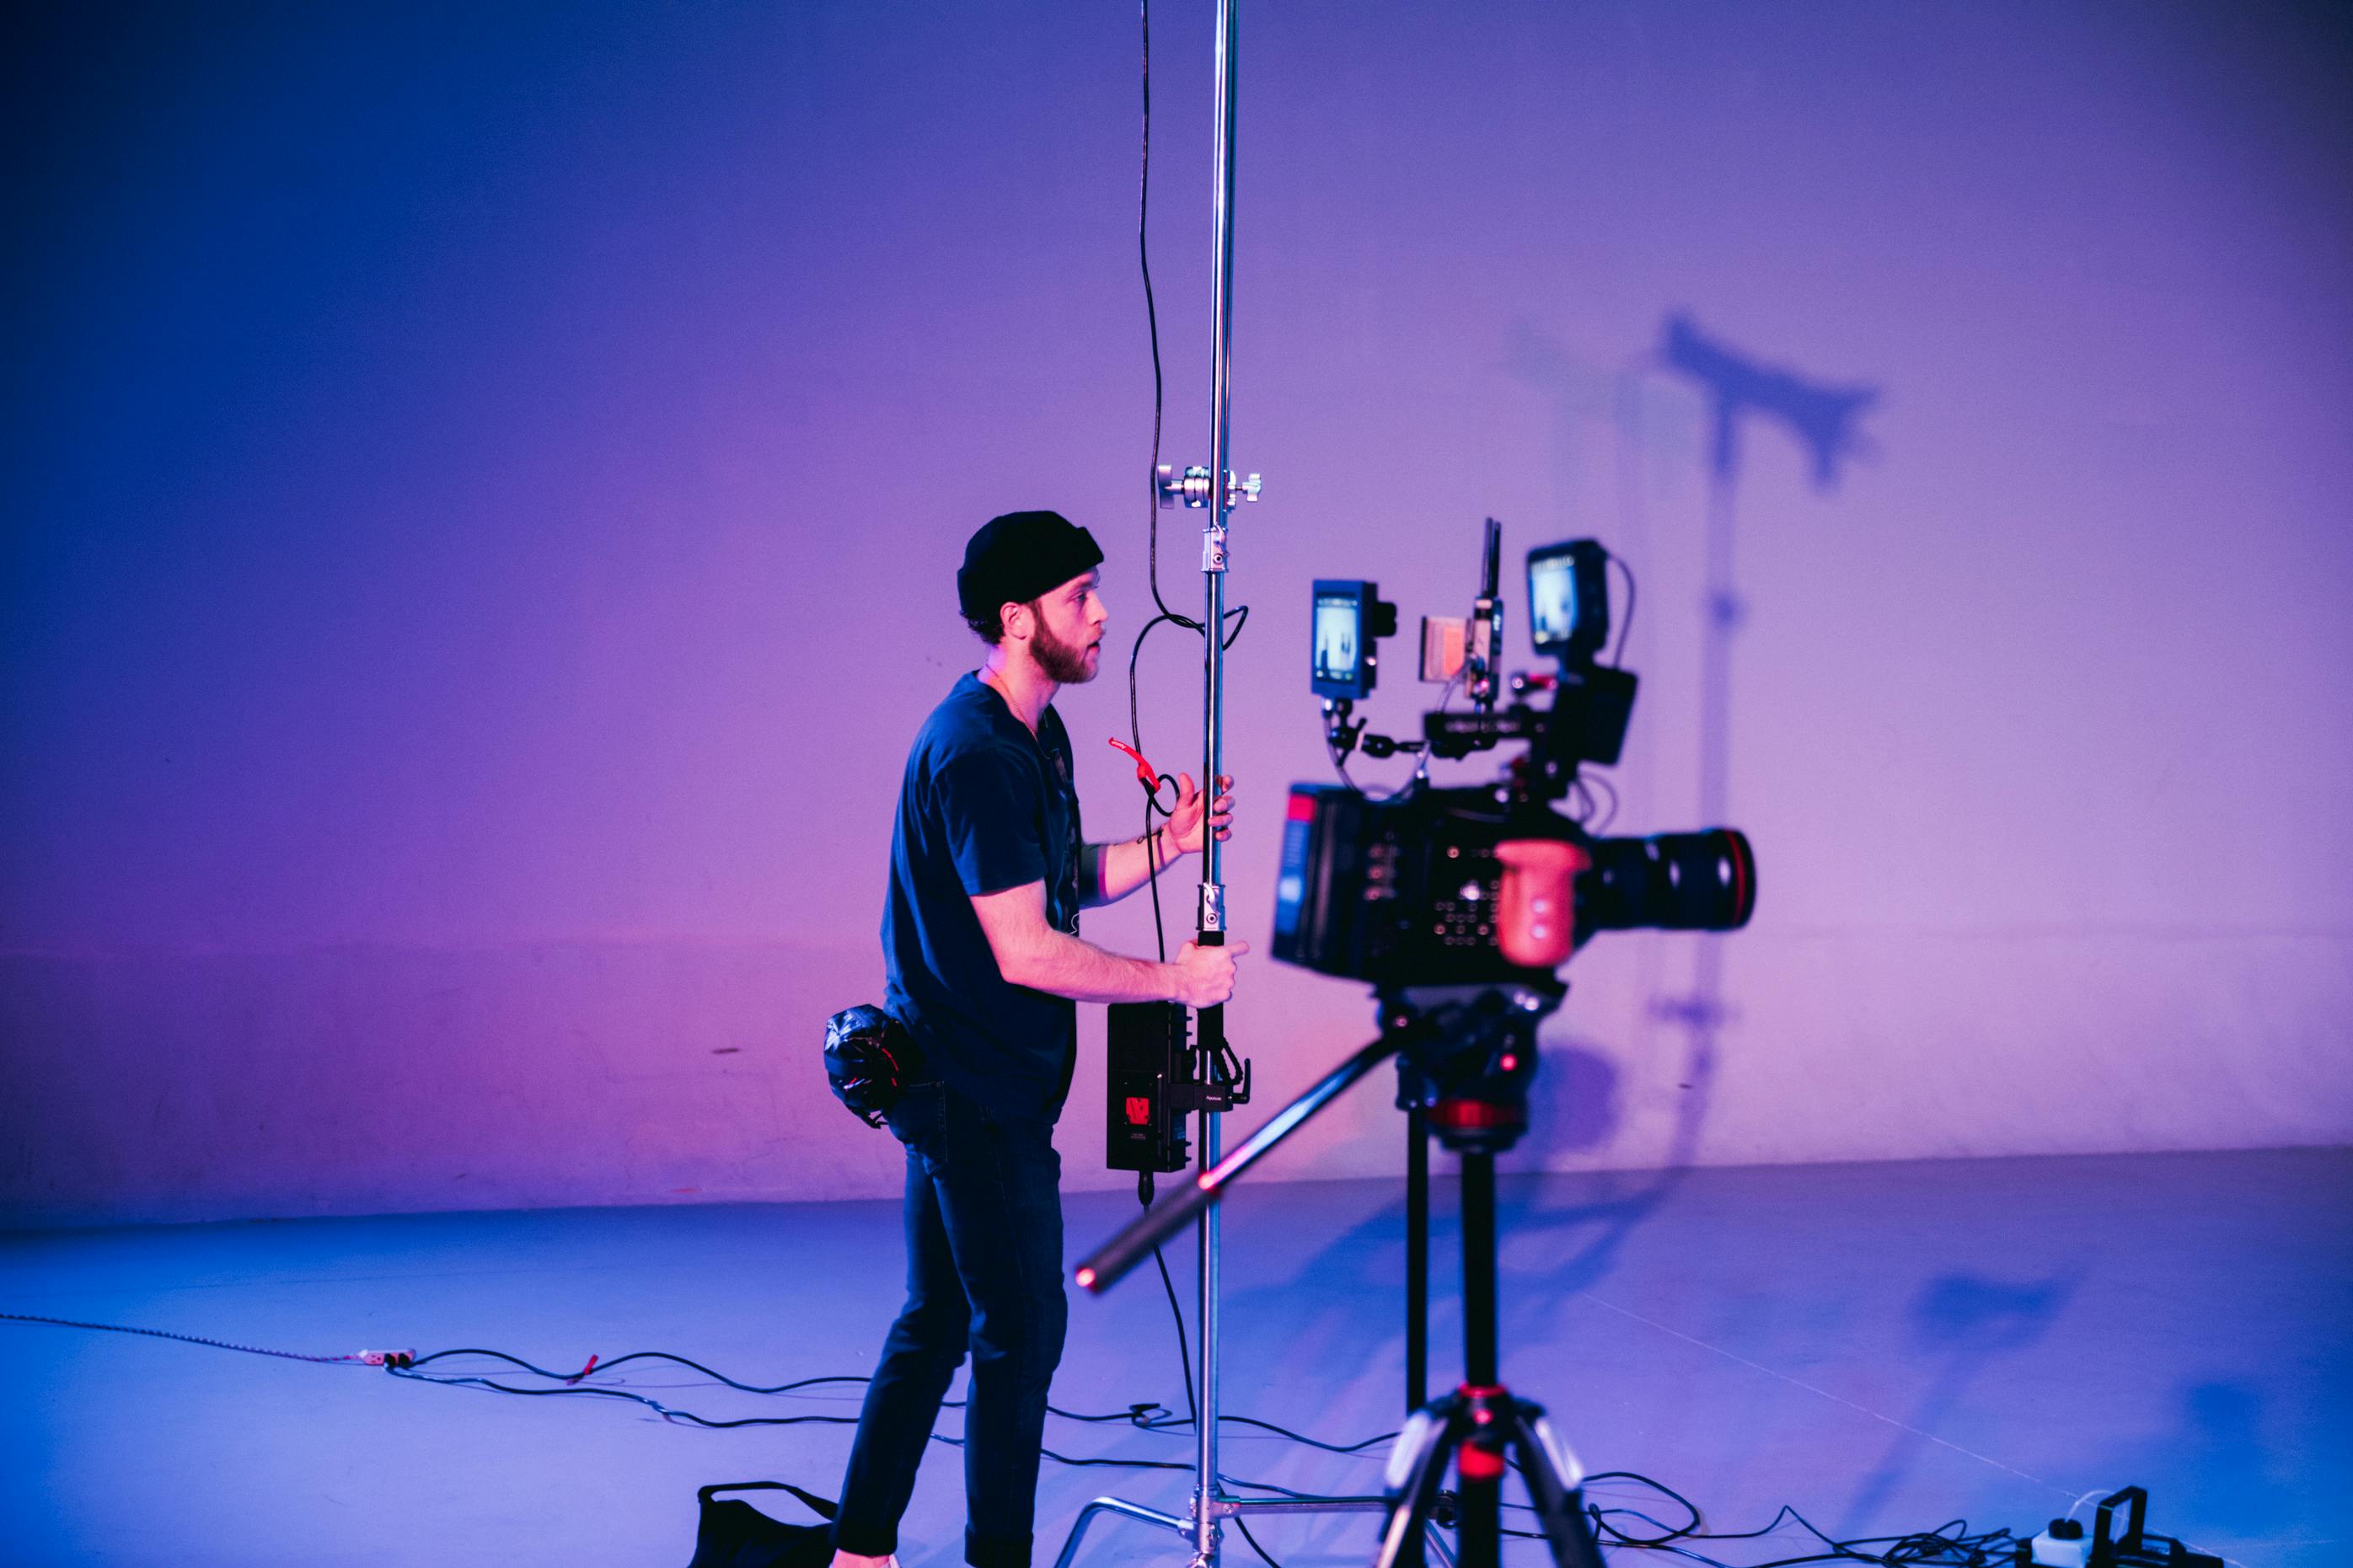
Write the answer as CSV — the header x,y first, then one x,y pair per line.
x,y
1151,806
1349,1448
602,1365
1608,815
1184,1355
1152,876
361,1358
1240,615
1151,486
1151,320
1626,626
1950,1545
1673,1532
1254,1546
1340,765
1139,1415
667,1413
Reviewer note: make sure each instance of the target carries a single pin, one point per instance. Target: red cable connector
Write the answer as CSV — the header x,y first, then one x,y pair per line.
x,y
1146,775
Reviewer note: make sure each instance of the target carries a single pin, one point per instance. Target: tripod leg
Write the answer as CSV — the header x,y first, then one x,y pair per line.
x,y
1417,1465
1554,1482
1480,1463
1417,1287
1479,1532
1417,1259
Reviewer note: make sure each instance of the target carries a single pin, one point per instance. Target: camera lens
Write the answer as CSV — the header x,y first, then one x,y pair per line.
x,y
1670,881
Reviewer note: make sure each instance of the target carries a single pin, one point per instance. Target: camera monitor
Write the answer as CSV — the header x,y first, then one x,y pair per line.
x,y
1568,600
1343,661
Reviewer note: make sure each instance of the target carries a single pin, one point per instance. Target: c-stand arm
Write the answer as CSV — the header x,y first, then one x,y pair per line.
x,y
1112,1261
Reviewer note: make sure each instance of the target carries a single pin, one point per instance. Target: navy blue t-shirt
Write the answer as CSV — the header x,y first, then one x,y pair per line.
x,y
984,805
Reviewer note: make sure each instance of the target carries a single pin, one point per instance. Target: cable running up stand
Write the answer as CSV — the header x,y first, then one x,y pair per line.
x,y
1212,487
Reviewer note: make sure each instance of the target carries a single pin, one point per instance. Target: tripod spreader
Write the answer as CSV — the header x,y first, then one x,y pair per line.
x,y
1110,1262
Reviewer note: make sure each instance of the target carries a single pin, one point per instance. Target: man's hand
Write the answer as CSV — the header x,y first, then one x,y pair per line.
x,y
1185,823
1204,975
1030,953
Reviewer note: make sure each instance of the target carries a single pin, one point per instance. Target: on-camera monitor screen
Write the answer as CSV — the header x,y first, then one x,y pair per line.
x,y
1337,629
1552,600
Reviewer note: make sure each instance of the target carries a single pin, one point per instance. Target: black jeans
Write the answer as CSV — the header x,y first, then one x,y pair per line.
x,y
984,1213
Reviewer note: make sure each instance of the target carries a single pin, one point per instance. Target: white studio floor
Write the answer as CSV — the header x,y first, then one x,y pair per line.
x,y
1885,1347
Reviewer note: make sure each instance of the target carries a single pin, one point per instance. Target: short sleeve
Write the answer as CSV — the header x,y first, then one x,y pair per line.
x,y
989,810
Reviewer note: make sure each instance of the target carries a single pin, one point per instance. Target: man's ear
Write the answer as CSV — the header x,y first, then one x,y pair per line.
x,y
1005,614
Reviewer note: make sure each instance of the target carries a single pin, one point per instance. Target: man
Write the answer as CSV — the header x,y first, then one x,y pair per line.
x,y
987,876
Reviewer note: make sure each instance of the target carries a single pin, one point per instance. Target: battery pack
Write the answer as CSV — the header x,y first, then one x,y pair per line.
x,y
1149,1056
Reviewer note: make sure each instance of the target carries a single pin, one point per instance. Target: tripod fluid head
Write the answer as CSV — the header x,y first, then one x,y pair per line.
x,y
1468,1056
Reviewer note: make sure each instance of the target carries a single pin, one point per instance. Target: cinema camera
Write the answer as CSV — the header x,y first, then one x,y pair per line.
x,y
1459,905
1427,887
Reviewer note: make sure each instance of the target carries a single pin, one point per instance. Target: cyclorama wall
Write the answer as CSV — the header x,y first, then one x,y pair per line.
x,y
485,488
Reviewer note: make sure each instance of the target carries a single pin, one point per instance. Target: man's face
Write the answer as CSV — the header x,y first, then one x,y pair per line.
x,y
1066,628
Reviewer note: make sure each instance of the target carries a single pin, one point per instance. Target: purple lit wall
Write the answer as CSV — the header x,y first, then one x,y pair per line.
x,y
482,488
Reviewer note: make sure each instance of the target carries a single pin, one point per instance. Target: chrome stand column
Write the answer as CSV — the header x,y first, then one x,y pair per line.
x,y
1218,489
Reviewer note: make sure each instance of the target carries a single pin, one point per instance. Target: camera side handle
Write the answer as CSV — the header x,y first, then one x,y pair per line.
x,y
1536,911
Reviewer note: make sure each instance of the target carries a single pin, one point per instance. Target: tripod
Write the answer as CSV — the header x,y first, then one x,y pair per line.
x,y
1482,1428
1466,1054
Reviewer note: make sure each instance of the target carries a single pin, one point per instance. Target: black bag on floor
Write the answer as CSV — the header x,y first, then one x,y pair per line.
x,y
733,1534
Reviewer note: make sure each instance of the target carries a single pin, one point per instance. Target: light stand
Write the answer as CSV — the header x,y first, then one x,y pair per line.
x,y
1213,487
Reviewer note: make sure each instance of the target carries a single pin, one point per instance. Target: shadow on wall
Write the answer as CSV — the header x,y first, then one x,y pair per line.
x,y
1822,418
1642,404
1578,1103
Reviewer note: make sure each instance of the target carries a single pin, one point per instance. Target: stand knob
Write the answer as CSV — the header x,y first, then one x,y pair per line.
x,y
1193,486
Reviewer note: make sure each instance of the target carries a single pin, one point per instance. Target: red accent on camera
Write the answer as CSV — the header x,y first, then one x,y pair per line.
x,y
1139,1111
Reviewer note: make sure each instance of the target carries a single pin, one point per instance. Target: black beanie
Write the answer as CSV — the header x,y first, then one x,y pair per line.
x,y
1015,558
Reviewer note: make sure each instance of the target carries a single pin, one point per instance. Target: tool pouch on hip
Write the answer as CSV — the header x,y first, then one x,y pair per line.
x,y
870,1059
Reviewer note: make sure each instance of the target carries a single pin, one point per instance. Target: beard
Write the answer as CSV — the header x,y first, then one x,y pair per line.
x,y
1064,663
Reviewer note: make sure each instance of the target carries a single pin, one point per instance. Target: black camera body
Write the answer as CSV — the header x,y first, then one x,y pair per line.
x,y
1406,892
1409,891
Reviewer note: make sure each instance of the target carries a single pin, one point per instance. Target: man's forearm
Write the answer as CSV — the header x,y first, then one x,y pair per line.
x,y
1118,869
1065,966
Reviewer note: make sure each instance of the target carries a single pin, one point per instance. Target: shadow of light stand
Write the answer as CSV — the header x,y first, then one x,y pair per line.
x,y
1822,418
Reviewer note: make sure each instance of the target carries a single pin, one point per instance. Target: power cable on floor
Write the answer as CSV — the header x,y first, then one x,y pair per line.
x,y
1950,1545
